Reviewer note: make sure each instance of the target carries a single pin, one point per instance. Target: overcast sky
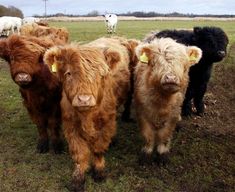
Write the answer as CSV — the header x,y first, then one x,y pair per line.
x,y
36,7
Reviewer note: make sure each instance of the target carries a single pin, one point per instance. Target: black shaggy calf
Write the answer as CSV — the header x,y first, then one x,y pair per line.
x,y
213,42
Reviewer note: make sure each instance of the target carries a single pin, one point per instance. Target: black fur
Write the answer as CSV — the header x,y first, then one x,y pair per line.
x,y
213,42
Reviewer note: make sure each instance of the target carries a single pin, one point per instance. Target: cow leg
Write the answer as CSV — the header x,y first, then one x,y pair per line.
x,y
81,155
57,142
163,137
114,29
43,141
12,30
198,99
98,171
187,105
8,33
18,30
101,144
78,180
149,137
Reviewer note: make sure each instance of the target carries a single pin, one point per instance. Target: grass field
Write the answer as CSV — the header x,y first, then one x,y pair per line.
x,y
201,161
87,31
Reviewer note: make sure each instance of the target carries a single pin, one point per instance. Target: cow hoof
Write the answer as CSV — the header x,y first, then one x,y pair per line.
x,y
58,146
162,159
178,128
200,113
99,175
43,146
77,185
145,159
187,112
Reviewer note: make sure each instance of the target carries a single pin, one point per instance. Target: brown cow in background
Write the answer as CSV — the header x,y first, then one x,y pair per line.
x,y
40,90
42,31
95,81
161,79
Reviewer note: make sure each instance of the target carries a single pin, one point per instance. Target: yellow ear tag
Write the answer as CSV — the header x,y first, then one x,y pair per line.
x,y
54,68
193,57
144,58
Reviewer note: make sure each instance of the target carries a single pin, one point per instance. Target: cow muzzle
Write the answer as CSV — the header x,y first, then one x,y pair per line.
x,y
170,83
23,79
219,56
84,101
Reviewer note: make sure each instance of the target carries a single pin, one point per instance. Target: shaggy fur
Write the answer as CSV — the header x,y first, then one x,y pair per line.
x,y
160,85
95,81
130,44
213,42
40,90
42,31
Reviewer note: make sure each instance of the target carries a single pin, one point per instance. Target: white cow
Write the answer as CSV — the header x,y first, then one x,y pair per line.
x,y
6,26
30,20
111,22
10,24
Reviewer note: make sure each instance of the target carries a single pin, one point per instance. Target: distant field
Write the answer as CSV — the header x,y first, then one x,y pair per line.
x,y
90,30
202,160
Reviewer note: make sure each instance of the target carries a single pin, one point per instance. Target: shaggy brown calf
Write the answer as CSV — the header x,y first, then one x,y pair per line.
x,y
161,79
42,31
40,90
95,81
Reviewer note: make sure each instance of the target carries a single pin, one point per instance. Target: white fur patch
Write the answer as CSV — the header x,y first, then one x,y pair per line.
x,y
163,148
147,150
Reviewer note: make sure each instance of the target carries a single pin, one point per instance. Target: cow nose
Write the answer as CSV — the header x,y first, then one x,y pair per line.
x,y
84,98
221,53
23,78
84,101
170,78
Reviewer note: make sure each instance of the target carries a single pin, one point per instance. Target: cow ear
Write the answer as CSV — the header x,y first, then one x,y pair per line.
x,y
51,58
144,53
194,54
4,50
197,29
112,57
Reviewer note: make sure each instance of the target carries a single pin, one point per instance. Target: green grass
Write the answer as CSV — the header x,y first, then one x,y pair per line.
x,y
87,31
200,161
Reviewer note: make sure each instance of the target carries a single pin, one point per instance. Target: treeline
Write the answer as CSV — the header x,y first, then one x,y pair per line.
x,y
142,14
10,11
174,14
13,11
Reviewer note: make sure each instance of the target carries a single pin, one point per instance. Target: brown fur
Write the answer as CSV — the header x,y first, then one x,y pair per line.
x,y
41,96
42,31
160,86
100,69
43,23
130,44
